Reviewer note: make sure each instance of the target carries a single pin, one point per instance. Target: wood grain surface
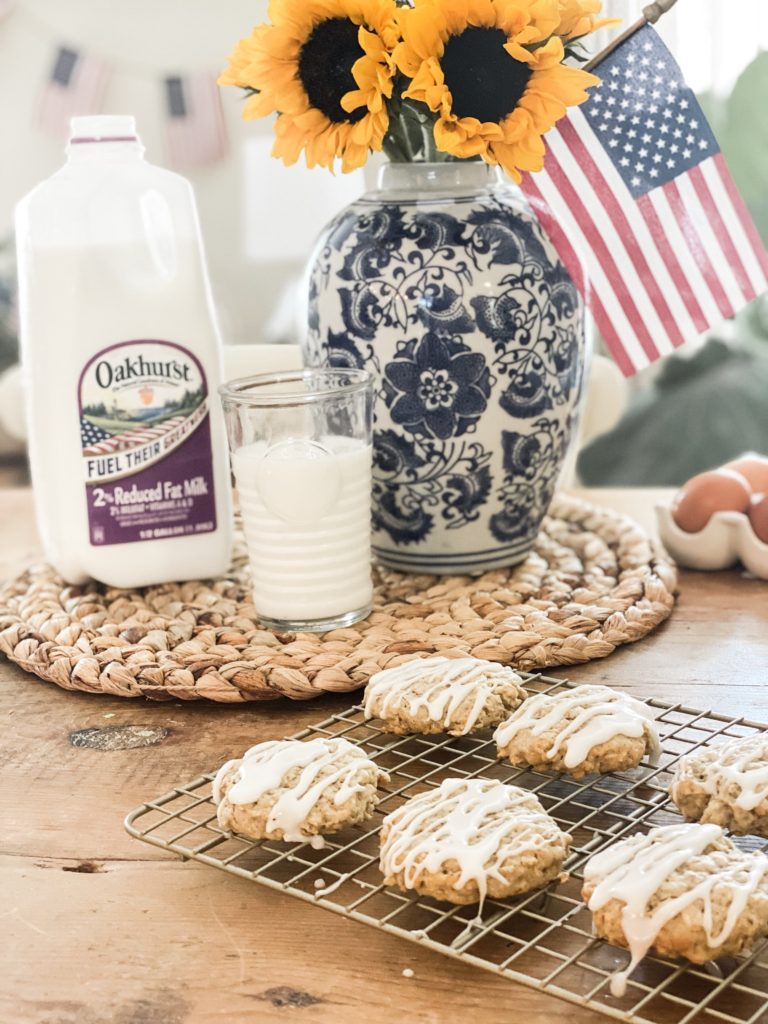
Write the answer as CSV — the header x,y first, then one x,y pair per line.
x,y
100,928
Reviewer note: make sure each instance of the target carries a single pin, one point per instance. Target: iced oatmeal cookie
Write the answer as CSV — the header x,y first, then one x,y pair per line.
x,y
582,730
297,791
471,838
682,891
726,785
454,695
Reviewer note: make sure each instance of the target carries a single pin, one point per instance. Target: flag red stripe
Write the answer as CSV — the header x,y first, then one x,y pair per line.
x,y
741,212
597,243
576,269
697,247
560,240
723,235
611,336
624,230
661,238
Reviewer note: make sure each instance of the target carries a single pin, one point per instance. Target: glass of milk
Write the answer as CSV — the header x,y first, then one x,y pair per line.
x,y
300,445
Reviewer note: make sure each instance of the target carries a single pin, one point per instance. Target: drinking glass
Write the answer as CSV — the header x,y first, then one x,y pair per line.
x,y
300,445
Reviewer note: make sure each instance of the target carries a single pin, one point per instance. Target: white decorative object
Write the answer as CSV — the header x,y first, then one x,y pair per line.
x,y
727,538
12,408
248,360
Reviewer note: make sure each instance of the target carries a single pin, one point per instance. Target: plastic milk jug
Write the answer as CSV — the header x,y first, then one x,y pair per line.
x,y
121,359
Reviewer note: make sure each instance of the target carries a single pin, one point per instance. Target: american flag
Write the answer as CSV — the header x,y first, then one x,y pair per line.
x,y
634,180
75,86
97,441
197,135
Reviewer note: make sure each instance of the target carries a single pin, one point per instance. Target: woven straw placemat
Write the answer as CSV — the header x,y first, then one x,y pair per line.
x,y
592,582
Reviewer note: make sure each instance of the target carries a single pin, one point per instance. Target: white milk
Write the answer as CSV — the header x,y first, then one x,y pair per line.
x,y
307,518
121,358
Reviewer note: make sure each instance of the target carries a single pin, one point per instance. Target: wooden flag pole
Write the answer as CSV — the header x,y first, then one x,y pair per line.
x,y
651,15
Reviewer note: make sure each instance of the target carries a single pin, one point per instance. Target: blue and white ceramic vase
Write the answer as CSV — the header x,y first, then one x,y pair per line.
x,y
443,284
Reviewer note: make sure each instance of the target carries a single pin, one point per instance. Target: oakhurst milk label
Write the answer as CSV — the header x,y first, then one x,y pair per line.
x,y
146,439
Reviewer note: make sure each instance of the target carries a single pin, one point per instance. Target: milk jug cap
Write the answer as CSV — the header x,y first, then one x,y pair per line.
x,y
103,128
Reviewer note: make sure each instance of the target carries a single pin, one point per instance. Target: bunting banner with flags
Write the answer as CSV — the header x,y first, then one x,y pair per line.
x,y
197,135
634,182
75,86
76,82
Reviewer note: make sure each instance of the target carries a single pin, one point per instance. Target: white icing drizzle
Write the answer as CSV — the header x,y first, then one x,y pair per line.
x,y
633,870
742,762
326,890
216,795
263,768
468,932
599,715
478,823
450,684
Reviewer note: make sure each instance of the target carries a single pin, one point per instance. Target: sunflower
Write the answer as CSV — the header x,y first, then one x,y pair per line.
x,y
326,68
492,71
577,18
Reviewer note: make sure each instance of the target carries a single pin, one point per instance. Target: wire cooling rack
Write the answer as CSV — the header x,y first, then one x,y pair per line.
x,y
543,939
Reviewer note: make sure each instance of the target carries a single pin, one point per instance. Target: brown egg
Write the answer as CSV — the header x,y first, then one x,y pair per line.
x,y
754,468
758,516
719,490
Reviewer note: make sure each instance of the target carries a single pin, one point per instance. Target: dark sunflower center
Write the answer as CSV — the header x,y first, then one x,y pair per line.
x,y
485,81
325,67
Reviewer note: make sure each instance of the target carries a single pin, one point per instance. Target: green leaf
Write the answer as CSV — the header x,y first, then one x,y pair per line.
x,y
576,51
743,139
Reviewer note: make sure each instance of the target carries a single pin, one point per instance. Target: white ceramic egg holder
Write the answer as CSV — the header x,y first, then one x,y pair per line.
x,y
728,537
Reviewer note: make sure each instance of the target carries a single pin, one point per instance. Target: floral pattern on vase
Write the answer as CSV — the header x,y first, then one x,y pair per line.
x,y
436,387
474,331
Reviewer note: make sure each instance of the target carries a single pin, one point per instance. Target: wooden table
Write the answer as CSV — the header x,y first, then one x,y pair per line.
x,y
100,928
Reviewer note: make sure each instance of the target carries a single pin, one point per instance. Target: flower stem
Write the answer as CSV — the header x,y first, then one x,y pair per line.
x,y
393,149
422,126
